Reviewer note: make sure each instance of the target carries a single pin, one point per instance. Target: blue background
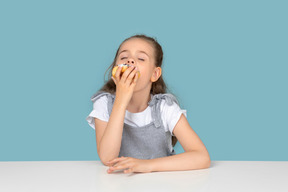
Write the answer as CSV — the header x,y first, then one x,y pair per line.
x,y
226,61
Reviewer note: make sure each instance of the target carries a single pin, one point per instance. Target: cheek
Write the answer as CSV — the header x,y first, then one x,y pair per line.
x,y
118,61
143,74
144,70
144,79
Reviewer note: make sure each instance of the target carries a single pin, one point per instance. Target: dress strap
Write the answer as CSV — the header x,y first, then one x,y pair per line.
x,y
167,96
111,99
155,103
98,94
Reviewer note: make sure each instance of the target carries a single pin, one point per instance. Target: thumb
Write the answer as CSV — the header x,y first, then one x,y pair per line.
x,y
113,79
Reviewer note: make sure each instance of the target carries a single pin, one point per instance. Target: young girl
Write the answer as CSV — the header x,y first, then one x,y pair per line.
x,y
135,118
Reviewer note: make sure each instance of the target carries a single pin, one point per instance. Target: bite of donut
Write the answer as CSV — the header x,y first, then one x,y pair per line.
x,y
124,67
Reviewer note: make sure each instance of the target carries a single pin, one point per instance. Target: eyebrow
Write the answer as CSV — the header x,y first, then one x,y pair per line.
x,y
139,51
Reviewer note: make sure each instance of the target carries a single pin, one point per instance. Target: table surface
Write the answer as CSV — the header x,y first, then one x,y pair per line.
x,y
92,176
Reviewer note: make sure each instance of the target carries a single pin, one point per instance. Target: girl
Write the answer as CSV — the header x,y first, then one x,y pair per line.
x,y
135,118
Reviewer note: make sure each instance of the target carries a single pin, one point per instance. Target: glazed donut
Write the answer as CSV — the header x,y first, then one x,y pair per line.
x,y
124,67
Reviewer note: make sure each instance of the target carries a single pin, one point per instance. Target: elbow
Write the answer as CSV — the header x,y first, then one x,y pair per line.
x,y
207,162
103,160
104,163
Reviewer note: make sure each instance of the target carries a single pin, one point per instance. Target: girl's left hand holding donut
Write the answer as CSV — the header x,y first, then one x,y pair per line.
x,y
129,165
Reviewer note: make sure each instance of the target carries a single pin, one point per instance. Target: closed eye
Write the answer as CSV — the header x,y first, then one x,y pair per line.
x,y
138,58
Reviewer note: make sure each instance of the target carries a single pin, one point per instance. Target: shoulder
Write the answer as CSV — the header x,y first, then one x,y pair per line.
x,y
168,106
100,105
101,95
166,98
170,113
102,100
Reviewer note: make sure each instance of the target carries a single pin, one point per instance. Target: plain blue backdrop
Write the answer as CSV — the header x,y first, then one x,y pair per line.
x,y
226,61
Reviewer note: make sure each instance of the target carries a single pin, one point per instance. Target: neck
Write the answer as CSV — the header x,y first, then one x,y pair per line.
x,y
139,101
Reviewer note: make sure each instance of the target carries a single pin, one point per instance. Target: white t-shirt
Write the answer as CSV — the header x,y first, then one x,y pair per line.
x,y
169,114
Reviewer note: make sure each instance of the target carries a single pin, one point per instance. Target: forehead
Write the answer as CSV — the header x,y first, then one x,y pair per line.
x,y
136,44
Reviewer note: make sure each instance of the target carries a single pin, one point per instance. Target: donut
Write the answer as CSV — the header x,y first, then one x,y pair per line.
x,y
124,67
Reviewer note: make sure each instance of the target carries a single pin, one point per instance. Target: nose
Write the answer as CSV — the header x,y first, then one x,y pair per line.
x,y
130,61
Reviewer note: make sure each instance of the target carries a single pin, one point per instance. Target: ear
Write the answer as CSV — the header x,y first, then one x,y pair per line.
x,y
156,74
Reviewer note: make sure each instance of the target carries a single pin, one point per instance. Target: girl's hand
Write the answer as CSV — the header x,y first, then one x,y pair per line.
x,y
125,84
130,164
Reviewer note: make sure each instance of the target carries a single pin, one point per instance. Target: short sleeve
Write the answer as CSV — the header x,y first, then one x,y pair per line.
x,y
171,115
100,111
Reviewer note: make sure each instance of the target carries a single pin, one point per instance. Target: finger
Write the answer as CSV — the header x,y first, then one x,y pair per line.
x,y
116,160
126,165
130,170
135,79
121,162
126,73
131,75
113,79
118,72
119,165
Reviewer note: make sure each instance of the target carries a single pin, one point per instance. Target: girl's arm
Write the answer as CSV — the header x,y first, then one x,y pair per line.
x,y
195,156
109,135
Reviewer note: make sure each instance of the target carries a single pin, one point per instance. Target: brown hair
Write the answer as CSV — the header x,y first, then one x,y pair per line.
x,y
157,87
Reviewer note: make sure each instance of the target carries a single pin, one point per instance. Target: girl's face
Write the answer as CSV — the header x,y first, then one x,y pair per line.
x,y
139,53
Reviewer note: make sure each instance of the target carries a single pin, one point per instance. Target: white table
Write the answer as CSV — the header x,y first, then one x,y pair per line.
x,y
81,176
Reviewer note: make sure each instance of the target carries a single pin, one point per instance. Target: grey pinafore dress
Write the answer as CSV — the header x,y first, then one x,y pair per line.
x,y
149,141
